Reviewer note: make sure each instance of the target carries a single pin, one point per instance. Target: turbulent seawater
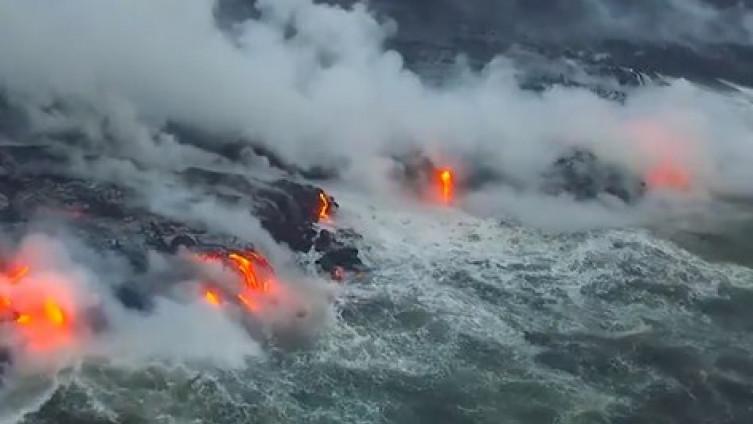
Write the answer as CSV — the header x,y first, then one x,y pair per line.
x,y
460,318
469,320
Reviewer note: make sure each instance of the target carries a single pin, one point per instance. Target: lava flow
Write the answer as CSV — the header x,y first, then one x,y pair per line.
x,y
40,308
212,297
256,278
324,207
446,185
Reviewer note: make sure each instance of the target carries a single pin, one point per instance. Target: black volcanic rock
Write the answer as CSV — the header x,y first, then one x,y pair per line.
x,y
337,256
583,175
324,242
287,209
342,257
289,213
133,298
109,217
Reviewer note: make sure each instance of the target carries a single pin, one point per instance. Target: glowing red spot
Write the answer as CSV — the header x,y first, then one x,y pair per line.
x,y
45,325
324,207
23,319
668,175
54,313
246,268
446,185
212,297
670,156
42,308
256,278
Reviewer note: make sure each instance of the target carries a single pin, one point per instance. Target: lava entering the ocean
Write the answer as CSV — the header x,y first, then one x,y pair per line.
x,y
446,185
41,308
324,207
212,297
257,279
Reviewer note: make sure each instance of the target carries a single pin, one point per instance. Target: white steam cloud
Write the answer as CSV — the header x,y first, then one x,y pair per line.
x,y
55,273
314,83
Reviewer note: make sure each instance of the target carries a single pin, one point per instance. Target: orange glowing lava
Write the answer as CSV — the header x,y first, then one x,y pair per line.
x,y
212,297
54,313
245,267
45,324
256,278
446,185
41,308
23,319
324,207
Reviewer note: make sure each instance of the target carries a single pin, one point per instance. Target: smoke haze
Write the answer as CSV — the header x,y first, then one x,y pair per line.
x,y
315,84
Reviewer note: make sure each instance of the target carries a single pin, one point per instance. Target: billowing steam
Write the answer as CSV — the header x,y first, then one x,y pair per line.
x,y
316,85
54,309
313,83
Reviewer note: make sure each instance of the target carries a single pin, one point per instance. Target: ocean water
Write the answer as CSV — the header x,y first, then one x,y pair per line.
x,y
466,320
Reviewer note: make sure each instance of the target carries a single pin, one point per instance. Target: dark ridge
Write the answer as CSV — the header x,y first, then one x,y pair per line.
x,y
236,149
703,64
108,216
289,211
433,33
581,174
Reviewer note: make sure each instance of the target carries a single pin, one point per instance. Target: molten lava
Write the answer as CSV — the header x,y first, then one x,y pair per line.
x,y
54,313
23,319
212,297
256,277
41,309
446,185
246,268
46,326
324,207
